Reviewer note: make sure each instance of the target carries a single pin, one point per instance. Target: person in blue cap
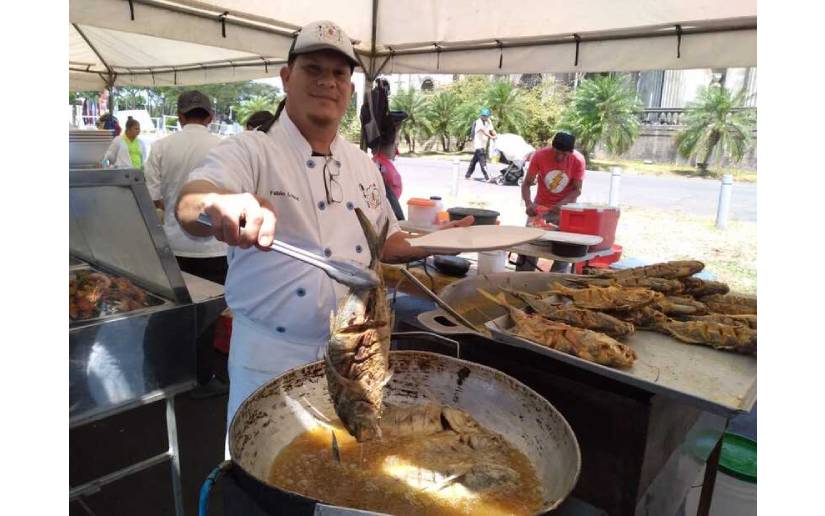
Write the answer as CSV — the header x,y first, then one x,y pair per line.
x,y
483,131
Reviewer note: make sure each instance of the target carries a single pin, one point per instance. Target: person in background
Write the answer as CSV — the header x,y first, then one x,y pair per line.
x,y
173,158
107,121
482,132
167,169
127,150
560,173
383,156
258,119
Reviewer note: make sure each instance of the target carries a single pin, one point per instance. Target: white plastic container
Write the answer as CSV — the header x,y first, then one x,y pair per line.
x,y
422,212
491,261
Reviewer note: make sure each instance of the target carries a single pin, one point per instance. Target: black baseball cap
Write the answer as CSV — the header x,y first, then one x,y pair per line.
x,y
564,142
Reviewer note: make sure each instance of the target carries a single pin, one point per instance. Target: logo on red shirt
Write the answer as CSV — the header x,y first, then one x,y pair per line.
x,y
556,181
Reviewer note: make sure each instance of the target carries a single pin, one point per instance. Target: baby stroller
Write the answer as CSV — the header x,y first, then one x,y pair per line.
x,y
515,153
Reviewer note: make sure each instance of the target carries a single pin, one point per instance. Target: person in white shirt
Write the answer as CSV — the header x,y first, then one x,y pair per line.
x,y
302,173
168,168
483,131
127,150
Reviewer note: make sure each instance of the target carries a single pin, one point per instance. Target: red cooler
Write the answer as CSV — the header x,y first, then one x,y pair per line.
x,y
591,219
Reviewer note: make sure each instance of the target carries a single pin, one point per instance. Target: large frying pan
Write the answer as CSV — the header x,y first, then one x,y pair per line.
x,y
279,411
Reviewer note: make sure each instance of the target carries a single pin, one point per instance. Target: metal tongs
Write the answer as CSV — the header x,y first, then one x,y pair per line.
x,y
345,272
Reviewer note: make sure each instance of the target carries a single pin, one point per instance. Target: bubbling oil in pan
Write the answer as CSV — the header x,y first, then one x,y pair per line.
x,y
426,463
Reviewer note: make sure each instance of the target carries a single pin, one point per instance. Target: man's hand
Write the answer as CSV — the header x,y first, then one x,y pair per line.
x,y
242,220
531,210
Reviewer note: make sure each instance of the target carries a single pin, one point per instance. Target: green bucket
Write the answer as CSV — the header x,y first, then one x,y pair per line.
x,y
738,458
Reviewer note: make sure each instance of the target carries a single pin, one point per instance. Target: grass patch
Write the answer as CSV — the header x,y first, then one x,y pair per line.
x,y
658,235
672,169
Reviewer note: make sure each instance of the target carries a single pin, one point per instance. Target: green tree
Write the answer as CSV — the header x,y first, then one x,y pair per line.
x,y
470,93
227,98
506,101
253,104
416,126
604,109
350,126
544,106
443,116
130,97
717,125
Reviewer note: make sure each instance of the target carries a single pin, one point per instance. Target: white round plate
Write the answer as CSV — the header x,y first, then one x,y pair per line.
x,y
476,238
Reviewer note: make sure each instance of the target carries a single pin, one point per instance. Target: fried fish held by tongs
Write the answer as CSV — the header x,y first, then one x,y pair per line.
x,y
357,358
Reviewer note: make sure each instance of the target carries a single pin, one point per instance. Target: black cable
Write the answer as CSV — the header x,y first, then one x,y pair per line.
x,y
132,10
501,54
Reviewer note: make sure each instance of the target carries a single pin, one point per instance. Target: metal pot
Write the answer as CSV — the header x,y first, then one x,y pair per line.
x,y
284,408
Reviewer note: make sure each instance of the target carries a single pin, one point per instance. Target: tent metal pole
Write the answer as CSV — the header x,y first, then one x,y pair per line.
x,y
369,75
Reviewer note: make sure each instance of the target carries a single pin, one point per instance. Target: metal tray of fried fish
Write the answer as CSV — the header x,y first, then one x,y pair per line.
x,y
716,381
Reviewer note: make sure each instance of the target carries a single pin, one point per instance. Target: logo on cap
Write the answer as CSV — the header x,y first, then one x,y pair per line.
x,y
330,33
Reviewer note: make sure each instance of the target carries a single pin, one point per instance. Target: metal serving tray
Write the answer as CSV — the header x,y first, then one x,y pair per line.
x,y
716,381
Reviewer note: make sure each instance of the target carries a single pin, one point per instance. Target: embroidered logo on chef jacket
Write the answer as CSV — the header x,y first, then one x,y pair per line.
x,y
556,181
371,195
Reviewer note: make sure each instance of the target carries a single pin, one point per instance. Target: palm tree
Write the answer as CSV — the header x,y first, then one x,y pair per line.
x,y
254,104
604,109
415,104
443,116
508,105
717,125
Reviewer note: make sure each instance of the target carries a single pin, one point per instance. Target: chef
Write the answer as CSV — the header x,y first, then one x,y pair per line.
x,y
299,180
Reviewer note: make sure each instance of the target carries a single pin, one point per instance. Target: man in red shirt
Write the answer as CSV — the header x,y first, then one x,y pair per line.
x,y
560,172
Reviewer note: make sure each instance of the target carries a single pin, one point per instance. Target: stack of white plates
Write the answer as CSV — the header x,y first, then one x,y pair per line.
x,y
87,147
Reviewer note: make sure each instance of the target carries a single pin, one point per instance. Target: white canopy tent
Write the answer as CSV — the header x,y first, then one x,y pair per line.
x,y
187,42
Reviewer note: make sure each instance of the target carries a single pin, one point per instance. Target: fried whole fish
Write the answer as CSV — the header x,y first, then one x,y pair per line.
x,y
644,318
731,320
357,358
679,305
606,298
665,286
740,339
578,317
668,270
698,287
730,304
585,344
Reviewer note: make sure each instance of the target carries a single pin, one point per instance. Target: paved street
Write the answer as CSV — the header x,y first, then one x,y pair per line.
x,y
424,177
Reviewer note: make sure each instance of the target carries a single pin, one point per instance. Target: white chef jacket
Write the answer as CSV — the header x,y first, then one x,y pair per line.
x,y
166,171
479,139
282,304
118,153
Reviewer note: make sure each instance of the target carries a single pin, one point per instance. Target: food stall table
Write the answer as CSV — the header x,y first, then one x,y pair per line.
x,y
124,356
644,436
